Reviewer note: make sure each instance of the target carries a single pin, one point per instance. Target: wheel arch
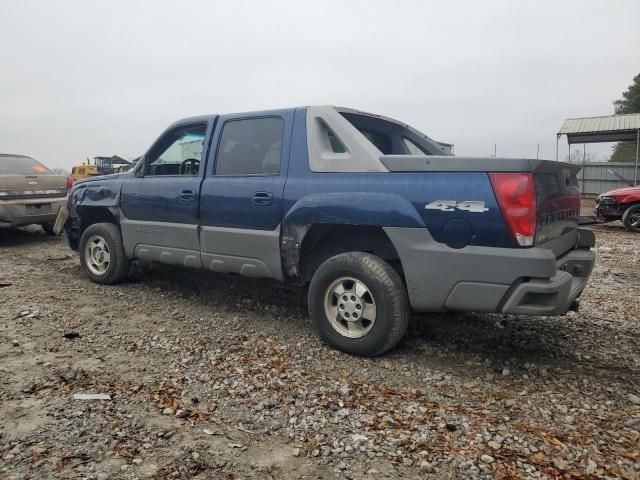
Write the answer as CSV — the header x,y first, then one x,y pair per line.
x,y
92,214
325,224
86,215
91,202
319,242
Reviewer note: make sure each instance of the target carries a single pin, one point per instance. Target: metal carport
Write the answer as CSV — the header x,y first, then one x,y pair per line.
x,y
614,128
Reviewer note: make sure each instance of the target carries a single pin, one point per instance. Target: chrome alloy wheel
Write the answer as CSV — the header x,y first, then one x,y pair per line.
x,y
96,254
350,307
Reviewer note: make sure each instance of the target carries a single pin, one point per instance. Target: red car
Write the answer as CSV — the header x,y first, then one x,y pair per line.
x,y
621,204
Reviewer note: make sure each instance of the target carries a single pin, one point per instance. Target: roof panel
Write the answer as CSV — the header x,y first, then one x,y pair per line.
x,y
594,125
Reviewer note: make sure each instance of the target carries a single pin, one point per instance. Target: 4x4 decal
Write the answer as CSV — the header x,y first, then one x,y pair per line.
x,y
474,206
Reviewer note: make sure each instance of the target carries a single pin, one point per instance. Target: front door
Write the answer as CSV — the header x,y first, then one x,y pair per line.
x,y
160,207
241,196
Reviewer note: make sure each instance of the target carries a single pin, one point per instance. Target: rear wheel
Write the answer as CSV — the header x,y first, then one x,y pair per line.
x,y
359,304
631,218
102,254
48,228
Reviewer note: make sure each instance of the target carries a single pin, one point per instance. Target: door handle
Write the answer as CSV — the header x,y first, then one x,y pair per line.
x,y
188,195
263,198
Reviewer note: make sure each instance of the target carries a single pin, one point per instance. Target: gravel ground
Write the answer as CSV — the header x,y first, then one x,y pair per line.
x,y
223,377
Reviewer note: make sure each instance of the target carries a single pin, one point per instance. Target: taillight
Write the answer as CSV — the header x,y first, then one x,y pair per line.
x,y
516,197
69,183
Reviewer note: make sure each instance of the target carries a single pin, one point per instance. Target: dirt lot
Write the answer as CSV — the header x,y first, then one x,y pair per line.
x,y
223,377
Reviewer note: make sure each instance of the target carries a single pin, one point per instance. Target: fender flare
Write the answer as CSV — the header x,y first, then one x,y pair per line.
x,y
95,194
342,208
87,197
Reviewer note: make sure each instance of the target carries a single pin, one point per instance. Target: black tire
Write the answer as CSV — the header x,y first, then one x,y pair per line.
x,y
631,218
389,299
48,228
118,265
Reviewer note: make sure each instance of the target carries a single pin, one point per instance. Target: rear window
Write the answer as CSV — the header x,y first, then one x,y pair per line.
x,y
10,165
388,137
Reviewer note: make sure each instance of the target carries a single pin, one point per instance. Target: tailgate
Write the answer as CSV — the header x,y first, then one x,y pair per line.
x,y
557,200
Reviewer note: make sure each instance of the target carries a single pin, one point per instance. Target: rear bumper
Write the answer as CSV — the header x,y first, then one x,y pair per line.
x,y
552,296
28,211
499,280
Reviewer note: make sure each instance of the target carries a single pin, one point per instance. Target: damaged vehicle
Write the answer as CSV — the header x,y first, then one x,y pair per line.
x,y
364,209
30,193
621,204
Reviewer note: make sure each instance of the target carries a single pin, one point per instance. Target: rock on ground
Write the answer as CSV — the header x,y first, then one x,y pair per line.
x,y
223,377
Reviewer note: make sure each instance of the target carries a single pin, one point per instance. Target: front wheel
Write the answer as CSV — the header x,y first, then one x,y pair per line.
x,y
359,304
631,218
102,254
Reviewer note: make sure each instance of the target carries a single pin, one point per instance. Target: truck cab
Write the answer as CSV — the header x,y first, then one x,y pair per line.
x,y
364,209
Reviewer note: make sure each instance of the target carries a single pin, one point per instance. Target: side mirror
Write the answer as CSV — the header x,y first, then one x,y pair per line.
x,y
139,172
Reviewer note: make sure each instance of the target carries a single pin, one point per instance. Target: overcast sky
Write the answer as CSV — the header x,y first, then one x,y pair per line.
x,y
85,78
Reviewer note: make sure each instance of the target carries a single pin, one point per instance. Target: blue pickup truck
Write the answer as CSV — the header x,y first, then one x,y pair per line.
x,y
364,209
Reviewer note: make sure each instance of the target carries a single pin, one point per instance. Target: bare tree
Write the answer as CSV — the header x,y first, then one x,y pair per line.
x,y
590,157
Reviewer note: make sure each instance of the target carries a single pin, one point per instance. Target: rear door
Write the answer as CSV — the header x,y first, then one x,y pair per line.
x,y
160,206
241,196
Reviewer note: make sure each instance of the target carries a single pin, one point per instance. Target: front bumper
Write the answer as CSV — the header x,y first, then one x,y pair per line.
x,y
543,280
606,212
30,211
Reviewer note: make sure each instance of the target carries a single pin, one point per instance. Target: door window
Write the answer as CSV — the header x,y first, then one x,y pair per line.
x,y
178,152
250,146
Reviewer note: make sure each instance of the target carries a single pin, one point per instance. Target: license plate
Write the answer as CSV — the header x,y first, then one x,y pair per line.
x,y
61,219
39,209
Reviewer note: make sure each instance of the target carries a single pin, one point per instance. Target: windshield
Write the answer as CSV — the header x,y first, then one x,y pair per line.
x,y
16,165
102,162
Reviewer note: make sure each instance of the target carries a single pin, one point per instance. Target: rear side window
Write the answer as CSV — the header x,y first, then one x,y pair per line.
x,y
336,145
11,165
250,146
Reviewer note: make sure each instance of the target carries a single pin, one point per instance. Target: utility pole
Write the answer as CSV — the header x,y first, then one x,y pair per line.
x,y
584,163
635,171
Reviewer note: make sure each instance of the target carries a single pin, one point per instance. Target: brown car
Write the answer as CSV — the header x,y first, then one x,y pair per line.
x,y
30,193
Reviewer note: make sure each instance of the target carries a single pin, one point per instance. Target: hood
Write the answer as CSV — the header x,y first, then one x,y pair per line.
x,y
622,191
